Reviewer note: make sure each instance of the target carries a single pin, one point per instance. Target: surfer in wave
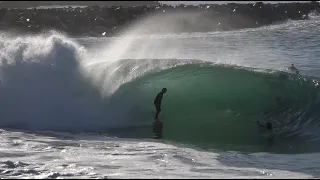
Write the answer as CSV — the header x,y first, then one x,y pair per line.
x,y
268,127
157,102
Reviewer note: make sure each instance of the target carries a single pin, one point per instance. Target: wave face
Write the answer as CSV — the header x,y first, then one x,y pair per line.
x,y
45,85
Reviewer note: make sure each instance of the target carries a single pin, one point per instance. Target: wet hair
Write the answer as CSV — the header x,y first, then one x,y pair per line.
x,y
269,126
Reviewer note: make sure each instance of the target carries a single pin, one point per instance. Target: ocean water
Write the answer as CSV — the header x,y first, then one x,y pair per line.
x,y
81,107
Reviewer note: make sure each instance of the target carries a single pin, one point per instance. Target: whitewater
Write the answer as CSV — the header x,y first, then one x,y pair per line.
x,y
81,107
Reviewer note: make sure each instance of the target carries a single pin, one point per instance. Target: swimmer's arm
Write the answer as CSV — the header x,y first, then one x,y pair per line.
x,y
260,124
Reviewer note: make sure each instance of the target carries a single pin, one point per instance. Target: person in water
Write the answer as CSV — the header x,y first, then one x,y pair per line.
x,y
268,125
157,102
293,68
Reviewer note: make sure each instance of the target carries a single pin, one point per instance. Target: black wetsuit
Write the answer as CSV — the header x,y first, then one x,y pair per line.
x,y
157,104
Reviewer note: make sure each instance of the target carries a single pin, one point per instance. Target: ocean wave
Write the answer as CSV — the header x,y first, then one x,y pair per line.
x,y
45,86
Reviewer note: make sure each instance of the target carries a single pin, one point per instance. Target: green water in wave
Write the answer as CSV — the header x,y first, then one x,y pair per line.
x,y
220,105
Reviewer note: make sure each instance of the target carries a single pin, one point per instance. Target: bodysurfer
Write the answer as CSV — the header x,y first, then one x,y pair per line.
x,y
268,127
157,102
